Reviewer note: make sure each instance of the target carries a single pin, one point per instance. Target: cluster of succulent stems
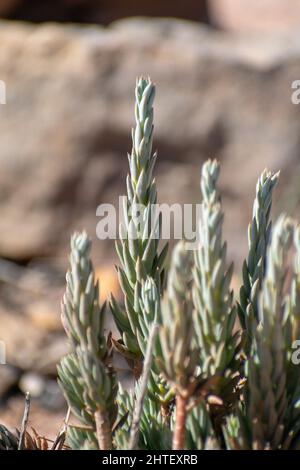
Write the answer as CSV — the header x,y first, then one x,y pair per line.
x,y
211,369
207,359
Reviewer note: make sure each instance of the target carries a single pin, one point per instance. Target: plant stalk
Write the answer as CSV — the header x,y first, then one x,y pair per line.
x,y
135,428
180,423
103,430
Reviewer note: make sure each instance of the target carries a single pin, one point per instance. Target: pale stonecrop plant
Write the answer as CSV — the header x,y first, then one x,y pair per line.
x,y
138,247
209,378
254,267
86,375
215,308
269,417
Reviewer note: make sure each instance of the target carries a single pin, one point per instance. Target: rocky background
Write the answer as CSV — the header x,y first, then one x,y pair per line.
x,y
223,90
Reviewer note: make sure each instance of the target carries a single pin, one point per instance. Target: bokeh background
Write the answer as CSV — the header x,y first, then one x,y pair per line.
x,y
223,70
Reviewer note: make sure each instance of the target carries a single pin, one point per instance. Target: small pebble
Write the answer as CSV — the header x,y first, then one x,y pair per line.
x,y
32,383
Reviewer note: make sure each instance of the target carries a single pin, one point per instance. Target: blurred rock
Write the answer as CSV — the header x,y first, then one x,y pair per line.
x,y
45,390
108,280
28,346
32,383
65,129
30,316
52,397
9,377
47,358
257,15
44,317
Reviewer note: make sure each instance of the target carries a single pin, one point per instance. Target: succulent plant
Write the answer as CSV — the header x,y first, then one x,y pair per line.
x,y
8,441
138,246
85,375
259,231
179,358
269,418
215,309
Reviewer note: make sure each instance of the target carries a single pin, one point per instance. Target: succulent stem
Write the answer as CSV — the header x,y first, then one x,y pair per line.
x,y
103,430
180,423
